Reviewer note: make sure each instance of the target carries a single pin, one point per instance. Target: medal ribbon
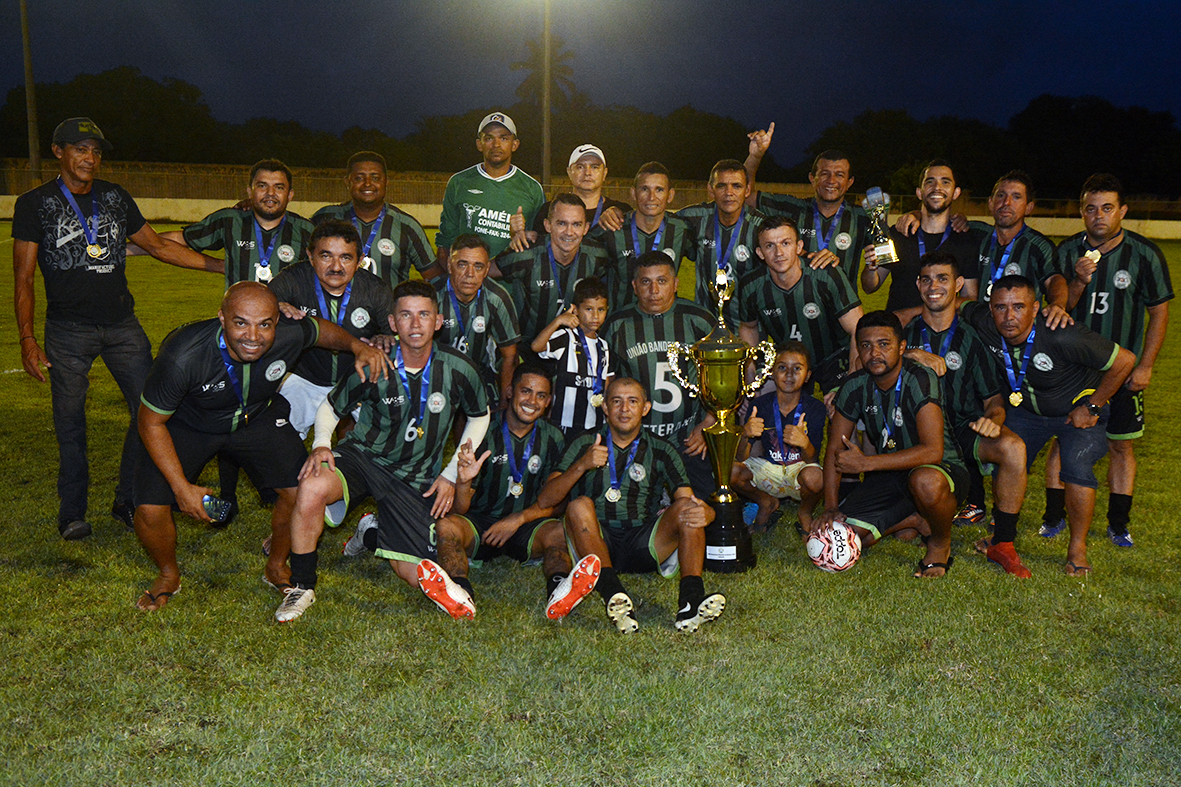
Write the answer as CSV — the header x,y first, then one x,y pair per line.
x,y
344,301
598,212
553,266
1015,380
264,258
423,388
946,339
797,415
887,418
722,258
513,468
611,458
999,270
455,306
637,237
821,245
89,229
231,370
923,245
597,385
372,233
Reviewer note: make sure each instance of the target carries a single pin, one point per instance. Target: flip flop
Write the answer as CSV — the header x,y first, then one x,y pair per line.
x,y
282,587
1075,570
918,572
152,599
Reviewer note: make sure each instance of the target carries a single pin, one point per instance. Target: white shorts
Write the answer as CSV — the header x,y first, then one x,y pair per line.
x,y
777,480
305,399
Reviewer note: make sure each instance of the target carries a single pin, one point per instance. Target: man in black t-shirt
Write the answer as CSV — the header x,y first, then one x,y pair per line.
x,y
588,172
212,389
76,229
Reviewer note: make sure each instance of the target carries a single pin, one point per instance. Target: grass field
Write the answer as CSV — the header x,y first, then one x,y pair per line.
x,y
869,678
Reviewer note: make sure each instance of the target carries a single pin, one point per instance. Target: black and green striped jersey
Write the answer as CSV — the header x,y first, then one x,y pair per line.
x,y
1030,254
809,312
488,322
399,245
656,468
592,223
640,342
860,399
1129,278
191,381
234,230
629,242
703,227
845,233
1066,363
386,426
537,294
477,202
972,374
491,496
366,314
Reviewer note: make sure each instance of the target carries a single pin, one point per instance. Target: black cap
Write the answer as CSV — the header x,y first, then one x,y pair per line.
x,y
75,130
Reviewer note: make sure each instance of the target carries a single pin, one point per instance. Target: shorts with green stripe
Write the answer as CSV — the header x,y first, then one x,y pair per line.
x,y
1127,415
519,545
633,550
883,499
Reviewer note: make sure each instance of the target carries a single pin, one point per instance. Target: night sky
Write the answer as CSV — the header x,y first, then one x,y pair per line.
x,y
803,64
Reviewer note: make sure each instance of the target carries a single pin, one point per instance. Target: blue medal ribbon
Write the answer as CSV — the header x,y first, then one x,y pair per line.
x,y
999,270
946,339
637,237
821,245
372,233
787,456
597,385
89,229
344,301
611,459
553,266
598,213
1017,379
517,471
232,372
423,388
456,306
888,417
923,245
264,257
722,258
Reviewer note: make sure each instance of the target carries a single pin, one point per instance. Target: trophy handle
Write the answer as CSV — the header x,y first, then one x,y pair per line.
x,y
674,361
767,349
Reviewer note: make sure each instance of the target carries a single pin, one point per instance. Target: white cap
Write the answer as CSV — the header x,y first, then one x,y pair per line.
x,y
586,150
498,117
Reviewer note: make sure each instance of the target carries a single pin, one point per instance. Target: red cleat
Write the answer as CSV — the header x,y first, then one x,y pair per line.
x,y
1005,556
574,588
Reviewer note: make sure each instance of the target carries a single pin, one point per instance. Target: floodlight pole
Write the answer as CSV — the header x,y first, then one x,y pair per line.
x,y
30,96
546,81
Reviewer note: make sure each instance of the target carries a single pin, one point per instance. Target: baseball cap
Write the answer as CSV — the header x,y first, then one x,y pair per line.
x,y
586,150
74,130
498,117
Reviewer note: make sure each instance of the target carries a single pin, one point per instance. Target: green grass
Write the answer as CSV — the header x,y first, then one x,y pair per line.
x,y
808,679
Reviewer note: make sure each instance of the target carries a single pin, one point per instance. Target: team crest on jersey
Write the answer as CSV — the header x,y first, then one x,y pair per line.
x,y
1121,280
811,311
285,253
360,317
741,253
1042,362
1012,269
953,360
897,416
386,247
843,241
435,402
479,325
534,464
637,473
276,370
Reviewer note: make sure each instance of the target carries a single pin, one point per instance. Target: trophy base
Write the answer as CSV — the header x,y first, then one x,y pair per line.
x,y
728,548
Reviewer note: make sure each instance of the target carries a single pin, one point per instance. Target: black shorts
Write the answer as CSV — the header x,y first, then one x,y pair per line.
x,y
405,527
968,440
883,499
519,546
701,474
268,449
1127,415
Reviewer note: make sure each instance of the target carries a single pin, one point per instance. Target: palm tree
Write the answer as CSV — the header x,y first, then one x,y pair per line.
x,y
563,87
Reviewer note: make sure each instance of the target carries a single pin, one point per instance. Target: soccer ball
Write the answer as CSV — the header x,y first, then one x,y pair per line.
x,y
835,547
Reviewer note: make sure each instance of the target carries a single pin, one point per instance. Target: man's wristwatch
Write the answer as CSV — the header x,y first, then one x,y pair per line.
x,y
1093,408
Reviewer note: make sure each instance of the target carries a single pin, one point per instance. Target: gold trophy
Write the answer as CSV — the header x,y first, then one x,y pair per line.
x,y
721,359
877,205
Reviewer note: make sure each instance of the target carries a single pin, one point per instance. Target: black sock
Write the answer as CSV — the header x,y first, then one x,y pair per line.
x,y
227,478
609,583
369,540
303,569
1055,505
466,584
1119,511
692,591
1006,526
976,490
551,584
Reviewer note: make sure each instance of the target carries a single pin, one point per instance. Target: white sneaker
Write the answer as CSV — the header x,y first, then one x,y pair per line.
x,y
709,608
295,601
355,546
442,590
619,609
574,587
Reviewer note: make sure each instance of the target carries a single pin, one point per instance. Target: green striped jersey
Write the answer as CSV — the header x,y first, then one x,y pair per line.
x,y
491,496
233,230
386,425
972,374
640,343
1129,278
476,202
847,239
622,247
538,296
488,322
859,399
400,243
742,260
657,468
1030,254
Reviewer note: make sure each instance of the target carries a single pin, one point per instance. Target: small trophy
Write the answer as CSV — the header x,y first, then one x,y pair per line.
x,y
877,205
721,359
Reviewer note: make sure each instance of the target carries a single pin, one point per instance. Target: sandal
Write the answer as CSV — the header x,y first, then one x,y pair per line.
x,y
922,567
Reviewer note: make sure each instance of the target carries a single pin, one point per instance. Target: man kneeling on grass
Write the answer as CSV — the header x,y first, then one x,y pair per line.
x,y
212,390
616,478
916,480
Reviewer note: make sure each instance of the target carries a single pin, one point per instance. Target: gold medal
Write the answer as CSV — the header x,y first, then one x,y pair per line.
x,y
613,495
516,489
94,250
419,431
1016,398
596,400
890,444
262,273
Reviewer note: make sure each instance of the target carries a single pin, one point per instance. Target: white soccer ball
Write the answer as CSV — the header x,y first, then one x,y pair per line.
x,y
834,547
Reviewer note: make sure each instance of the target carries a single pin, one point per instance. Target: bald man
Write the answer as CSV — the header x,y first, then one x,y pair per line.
x,y
212,389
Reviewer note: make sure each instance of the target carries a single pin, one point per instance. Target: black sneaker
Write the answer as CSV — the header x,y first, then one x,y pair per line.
x,y
125,513
691,616
231,515
72,531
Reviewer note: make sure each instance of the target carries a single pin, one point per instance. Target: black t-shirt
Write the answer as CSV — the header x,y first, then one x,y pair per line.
x,y
964,246
189,380
78,287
